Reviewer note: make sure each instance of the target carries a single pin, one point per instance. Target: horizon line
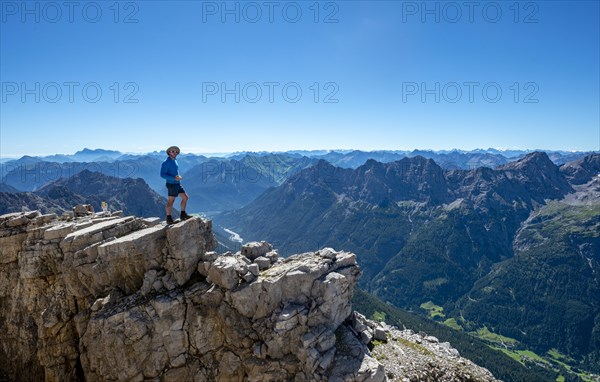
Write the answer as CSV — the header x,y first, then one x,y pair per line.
x,y
328,150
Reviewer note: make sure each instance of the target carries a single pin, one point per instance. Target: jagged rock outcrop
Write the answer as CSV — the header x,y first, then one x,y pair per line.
x,y
128,299
441,363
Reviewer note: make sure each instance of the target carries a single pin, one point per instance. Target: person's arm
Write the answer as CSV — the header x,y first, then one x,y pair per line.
x,y
176,168
164,172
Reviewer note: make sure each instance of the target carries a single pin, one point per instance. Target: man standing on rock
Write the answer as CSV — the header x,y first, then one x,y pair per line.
x,y
170,171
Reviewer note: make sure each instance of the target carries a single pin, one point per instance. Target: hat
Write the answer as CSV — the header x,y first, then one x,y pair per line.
x,y
173,148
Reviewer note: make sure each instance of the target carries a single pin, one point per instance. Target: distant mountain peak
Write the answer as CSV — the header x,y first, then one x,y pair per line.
x,y
536,159
371,163
87,151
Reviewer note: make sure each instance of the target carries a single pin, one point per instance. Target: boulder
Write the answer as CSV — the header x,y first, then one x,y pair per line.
x,y
255,249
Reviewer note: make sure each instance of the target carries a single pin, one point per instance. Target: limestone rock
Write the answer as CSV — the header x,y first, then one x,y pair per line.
x,y
82,210
443,363
187,241
100,298
226,271
255,249
262,263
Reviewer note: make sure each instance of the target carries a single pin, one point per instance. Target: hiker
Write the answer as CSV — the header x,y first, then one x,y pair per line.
x,y
170,171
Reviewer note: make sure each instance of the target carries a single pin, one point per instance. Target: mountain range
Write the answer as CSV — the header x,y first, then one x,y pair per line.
x,y
224,183
132,196
507,251
467,241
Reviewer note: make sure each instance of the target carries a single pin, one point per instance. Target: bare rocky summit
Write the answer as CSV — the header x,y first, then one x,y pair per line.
x,y
113,298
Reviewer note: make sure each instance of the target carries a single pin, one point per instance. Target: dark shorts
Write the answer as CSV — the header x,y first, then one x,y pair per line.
x,y
175,189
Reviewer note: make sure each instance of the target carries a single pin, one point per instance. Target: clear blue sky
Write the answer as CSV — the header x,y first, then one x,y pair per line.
x,y
372,75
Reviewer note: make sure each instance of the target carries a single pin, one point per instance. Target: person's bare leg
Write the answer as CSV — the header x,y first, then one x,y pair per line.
x,y
184,198
170,202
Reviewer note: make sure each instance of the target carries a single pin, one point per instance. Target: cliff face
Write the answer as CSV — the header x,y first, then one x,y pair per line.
x,y
122,298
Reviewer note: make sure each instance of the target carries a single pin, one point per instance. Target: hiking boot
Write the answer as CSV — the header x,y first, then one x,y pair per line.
x,y
184,216
170,219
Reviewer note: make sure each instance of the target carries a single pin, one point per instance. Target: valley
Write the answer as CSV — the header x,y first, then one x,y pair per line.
x,y
506,254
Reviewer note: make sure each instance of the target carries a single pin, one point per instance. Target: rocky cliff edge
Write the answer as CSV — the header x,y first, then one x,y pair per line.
x,y
113,298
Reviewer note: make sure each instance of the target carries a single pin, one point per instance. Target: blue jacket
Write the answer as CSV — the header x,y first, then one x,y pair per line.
x,y
169,169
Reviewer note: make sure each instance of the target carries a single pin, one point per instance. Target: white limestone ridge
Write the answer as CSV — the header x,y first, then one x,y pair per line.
x,y
105,297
